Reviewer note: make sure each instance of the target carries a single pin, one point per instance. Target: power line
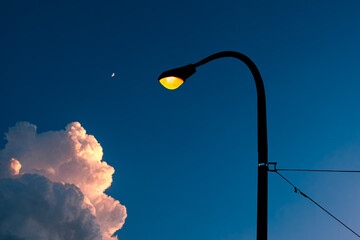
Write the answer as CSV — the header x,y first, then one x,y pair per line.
x,y
312,170
309,170
297,190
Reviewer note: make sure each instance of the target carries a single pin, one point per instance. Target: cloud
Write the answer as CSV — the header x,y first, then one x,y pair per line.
x,y
32,207
69,156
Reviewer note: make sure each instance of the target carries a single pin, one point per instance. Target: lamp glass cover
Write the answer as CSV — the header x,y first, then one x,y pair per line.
x,y
171,82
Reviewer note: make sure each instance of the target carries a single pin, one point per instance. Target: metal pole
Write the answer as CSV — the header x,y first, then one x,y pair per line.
x,y
262,197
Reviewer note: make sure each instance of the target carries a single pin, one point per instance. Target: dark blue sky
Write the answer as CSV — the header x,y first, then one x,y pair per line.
x,y
186,160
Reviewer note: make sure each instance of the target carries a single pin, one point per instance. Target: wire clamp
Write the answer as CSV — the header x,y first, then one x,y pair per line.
x,y
274,166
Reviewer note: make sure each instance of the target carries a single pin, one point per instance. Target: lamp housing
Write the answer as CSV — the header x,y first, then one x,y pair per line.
x,y
173,78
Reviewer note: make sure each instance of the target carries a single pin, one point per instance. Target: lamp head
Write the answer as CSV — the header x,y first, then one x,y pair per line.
x,y
173,78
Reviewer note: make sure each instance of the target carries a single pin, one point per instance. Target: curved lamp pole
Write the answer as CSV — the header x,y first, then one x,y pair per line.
x,y
172,79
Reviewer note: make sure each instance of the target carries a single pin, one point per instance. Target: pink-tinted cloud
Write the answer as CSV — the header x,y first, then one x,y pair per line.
x,y
67,156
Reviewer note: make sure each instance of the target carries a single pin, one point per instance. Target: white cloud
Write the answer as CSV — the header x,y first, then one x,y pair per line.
x,y
67,156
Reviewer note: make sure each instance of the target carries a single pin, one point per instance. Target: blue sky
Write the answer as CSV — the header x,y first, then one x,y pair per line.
x,y
186,160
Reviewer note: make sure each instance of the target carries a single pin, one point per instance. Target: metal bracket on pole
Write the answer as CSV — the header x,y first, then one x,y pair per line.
x,y
274,165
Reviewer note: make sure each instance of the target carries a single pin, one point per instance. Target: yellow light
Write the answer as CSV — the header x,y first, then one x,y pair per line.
x,y
171,82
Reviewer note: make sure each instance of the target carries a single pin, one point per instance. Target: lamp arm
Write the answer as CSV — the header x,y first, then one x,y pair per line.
x,y
261,102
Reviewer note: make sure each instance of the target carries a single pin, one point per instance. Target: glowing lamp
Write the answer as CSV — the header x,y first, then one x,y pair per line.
x,y
172,79
171,83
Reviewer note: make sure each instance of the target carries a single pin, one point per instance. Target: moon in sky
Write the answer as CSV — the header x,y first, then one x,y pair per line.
x,y
113,74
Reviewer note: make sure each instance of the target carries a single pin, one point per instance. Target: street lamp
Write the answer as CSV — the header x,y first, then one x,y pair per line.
x,y
172,79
